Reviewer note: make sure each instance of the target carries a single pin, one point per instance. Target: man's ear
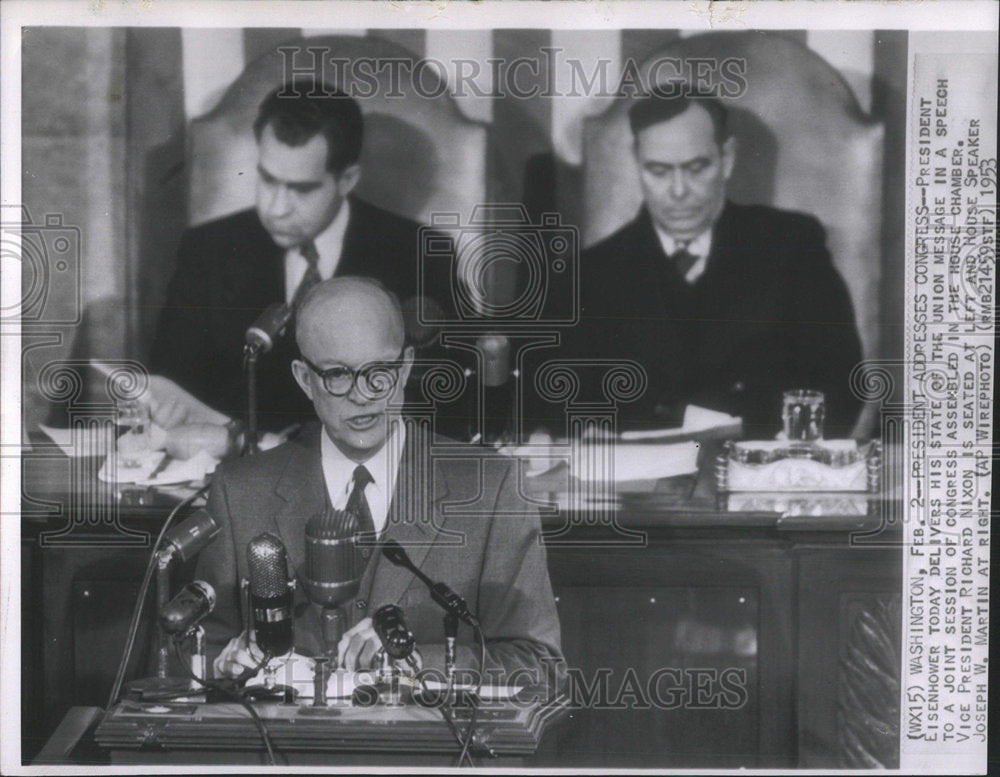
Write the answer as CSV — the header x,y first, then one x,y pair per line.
x,y
728,157
349,178
301,374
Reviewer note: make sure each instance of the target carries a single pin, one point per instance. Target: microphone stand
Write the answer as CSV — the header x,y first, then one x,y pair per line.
x,y
450,637
332,619
250,441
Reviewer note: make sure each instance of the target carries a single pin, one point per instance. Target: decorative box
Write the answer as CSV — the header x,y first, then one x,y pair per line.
x,y
821,466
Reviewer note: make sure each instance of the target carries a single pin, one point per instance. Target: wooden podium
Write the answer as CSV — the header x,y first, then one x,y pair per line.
x,y
336,735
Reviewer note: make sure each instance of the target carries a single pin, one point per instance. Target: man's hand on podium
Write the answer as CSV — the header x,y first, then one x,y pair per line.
x,y
236,657
358,646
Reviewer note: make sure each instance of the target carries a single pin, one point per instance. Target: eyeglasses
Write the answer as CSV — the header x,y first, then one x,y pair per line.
x,y
375,380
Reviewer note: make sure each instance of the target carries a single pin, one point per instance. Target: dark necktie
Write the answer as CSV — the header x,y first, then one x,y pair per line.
x,y
358,504
311,277
682,259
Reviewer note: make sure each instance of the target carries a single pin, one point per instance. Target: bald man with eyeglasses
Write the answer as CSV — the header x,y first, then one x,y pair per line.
x,y
366,457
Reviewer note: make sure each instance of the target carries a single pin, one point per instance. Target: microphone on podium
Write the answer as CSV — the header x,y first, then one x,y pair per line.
x,y
333,570
390,626
186,540
269,326
446,598
271,595
192,605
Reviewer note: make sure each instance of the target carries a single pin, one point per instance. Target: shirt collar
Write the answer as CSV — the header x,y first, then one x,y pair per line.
x,y
700,247
338,472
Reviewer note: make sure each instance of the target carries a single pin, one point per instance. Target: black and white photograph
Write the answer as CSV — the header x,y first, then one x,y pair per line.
x,y
465,386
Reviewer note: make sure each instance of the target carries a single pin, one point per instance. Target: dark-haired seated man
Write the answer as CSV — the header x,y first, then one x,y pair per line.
x,y
365,459
725,306
307,226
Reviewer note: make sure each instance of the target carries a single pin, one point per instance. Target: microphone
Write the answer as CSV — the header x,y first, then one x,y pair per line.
x,y
332,570
187,539
397,640
186,610
440,593
268,327
270,594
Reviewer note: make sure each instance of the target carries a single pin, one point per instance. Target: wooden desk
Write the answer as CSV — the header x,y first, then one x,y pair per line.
x,y
769,642
331,736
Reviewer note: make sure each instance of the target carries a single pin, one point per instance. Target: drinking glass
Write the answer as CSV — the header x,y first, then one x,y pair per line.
x,y
134,438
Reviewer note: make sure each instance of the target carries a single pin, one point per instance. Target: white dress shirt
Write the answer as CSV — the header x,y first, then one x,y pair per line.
x,y
329,245
699,247
338,472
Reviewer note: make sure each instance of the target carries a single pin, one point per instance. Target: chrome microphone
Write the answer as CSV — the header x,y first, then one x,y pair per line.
x,y
262,333
192,604
333,569
190,537
271,594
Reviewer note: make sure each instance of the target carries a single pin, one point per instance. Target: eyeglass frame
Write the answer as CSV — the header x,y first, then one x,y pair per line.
x,y
395,366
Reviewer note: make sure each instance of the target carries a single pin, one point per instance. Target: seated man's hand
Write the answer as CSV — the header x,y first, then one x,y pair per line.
x,y
236,658
169,413
187,440
171,406
358,647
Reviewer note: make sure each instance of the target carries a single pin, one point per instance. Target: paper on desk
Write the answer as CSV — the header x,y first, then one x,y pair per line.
x,y
696,419
639,461
176,471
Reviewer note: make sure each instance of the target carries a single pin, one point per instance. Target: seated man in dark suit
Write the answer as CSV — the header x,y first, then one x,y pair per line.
x,y
725,306
490,555
307,226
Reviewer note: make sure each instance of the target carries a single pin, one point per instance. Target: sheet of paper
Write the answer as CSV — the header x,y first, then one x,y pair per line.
x,y
696,419
637,461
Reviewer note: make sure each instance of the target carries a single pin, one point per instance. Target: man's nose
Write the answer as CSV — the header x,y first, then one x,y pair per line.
x,y
679,185
356,396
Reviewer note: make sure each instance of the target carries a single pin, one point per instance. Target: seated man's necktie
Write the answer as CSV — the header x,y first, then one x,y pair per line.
x,y
682,259
311,277
358,504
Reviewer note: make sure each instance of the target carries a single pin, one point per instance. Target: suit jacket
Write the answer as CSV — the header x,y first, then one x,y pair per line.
x,y
228,272
770,313
488,551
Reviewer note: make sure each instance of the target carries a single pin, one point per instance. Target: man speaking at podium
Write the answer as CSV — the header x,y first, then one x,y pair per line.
x,y
725,306
490,554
